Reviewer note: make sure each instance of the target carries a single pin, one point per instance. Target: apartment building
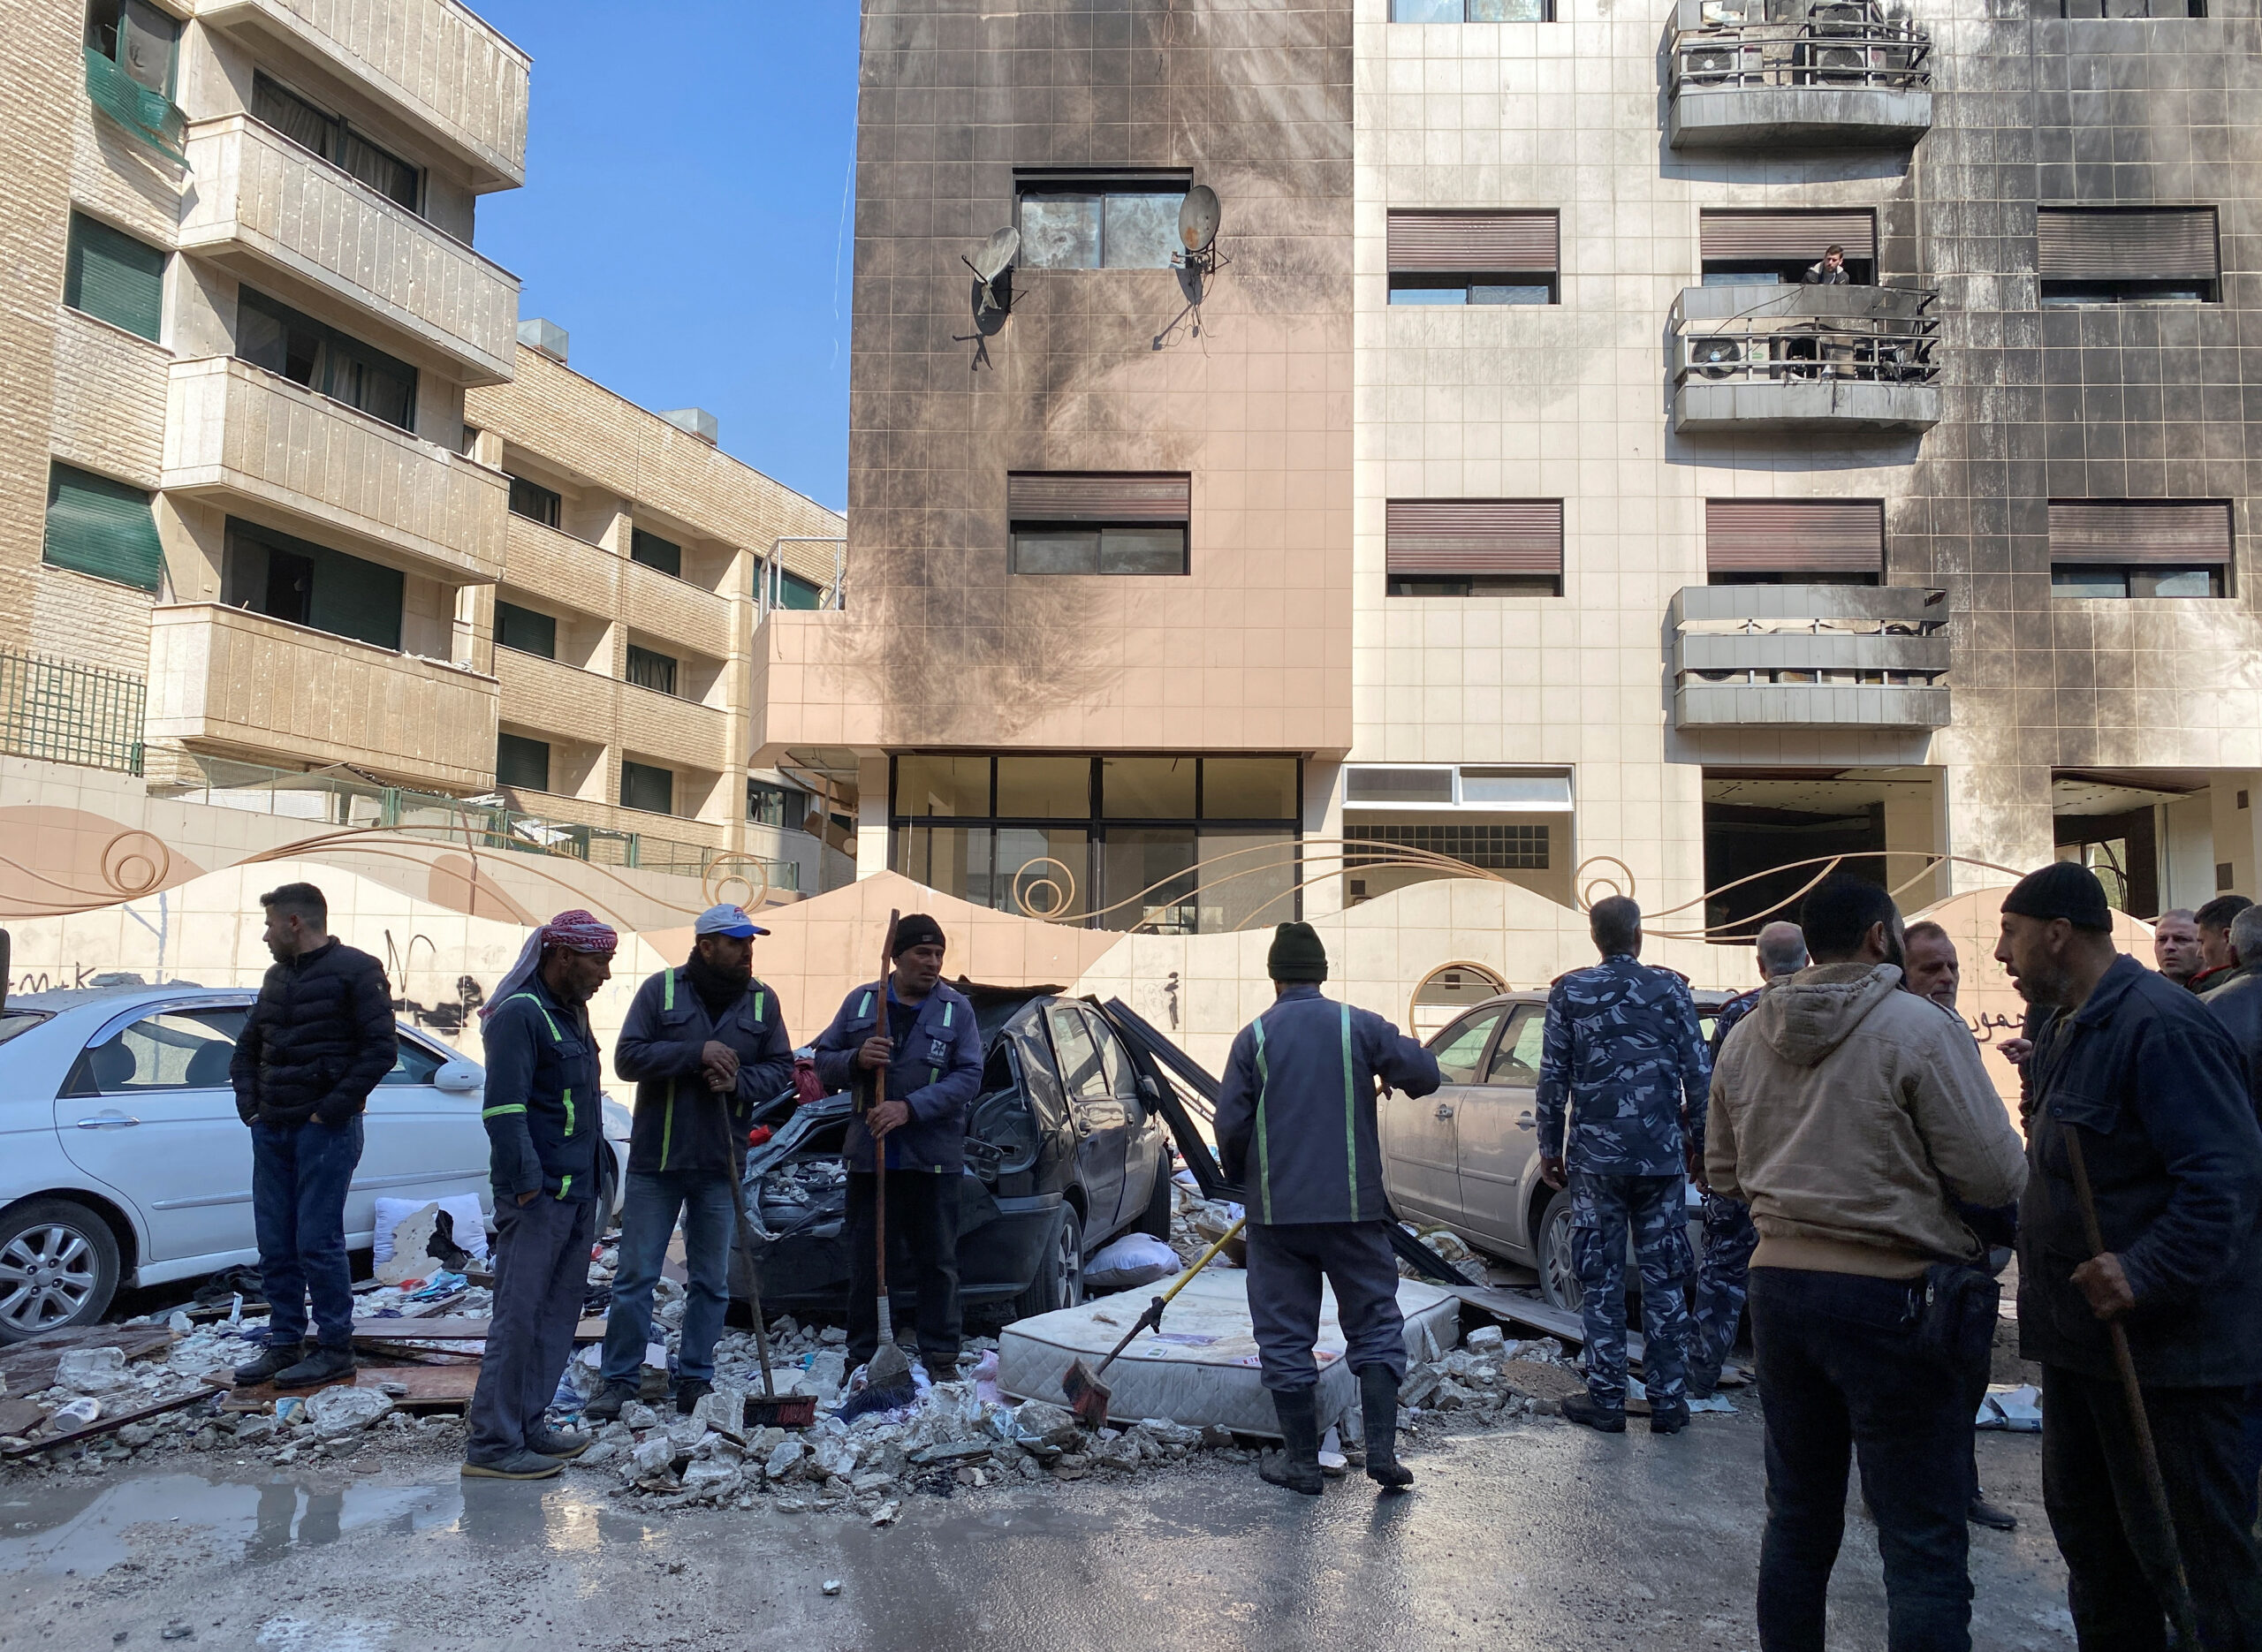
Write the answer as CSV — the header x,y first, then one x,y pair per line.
x,y
264,469
1502,488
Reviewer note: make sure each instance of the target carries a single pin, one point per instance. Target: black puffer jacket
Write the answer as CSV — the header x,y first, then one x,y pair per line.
x,y
318,1040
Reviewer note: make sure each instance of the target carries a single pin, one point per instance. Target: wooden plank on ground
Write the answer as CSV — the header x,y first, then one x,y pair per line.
x,y
449,1329
1522,1310
29,1366
106,1424
428,1387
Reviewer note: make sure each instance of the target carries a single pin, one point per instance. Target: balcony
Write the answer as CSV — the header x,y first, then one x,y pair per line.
x,y
1864,657
237,432
545,561
434,64
542,693
1796,358
230,680
1795,74
263,204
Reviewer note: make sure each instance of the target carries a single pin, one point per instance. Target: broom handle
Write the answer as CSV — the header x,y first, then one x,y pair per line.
x,y
2179,1604
879,1146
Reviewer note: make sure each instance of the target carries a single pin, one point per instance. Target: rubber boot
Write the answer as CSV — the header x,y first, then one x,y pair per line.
x,y
1297,1465
1378,1413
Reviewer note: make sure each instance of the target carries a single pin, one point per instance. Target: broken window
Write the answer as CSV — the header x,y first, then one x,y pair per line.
x,y
1097,522
1109,221
272,335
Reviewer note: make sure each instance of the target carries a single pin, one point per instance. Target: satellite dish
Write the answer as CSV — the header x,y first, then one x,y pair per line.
x,y
1197,218
996,256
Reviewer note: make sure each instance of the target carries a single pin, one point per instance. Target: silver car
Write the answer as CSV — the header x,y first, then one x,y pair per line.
x,y
1468,1156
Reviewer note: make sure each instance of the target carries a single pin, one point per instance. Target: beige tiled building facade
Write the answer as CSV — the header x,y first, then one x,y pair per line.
x,y
273,459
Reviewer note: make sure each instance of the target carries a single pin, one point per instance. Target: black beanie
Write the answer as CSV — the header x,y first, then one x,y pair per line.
x,y
2064,888
1296,954
916,929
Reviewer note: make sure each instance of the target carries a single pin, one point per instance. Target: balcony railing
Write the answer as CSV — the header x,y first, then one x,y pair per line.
x,y
1851,355
63,713
1836,71
149,115
1813,655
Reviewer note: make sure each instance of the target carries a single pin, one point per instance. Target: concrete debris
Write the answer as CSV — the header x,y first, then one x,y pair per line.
x,y
336,1413
884,1515
784,1459
92,1370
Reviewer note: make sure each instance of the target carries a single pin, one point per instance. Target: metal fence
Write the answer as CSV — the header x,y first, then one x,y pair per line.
x,y
71,713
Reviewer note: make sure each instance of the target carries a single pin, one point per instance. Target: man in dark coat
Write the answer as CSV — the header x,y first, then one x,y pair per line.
x,y
704,1044
314,1045
923,1035
2140,1076
1296,1129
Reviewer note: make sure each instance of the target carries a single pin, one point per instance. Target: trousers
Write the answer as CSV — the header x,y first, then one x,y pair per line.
x,y
1287,1263
299,1175
1722,1280
921,1253
648,1219
1604,1208
541,1273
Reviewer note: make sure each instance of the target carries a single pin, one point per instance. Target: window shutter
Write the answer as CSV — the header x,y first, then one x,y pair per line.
x,y
355,598
2085,244
2182,533
1755,235
114,277
1062,496
103,527
1455,536
1794,536
1478,243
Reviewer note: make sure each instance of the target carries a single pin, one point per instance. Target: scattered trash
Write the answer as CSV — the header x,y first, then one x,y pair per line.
x,y
832,1586
82,1413
1134,1260
2017,1408
1718,1403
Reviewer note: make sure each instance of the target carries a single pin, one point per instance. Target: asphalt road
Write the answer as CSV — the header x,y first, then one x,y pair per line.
x,y
1538,1535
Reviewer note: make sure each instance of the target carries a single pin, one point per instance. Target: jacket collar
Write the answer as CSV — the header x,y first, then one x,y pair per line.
x,y
1299,990
2120,977
307,959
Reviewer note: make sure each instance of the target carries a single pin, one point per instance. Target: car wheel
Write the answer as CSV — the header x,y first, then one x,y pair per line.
x,y
58,1266
1558,1261
1060,1281
1155,1223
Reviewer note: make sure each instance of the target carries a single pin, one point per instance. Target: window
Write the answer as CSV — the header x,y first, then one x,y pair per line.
x,y
2126,255
655,552
525,630
1515,1059
1461,1047
1496,848
535,502
647,668
1473,547
178,1050
1097,522
1082,1074
768,805
114,277
1099,221
138,38
2125,547
645,787
103,527
330,138
521,762
1473,257
1472,11
1768,248
1794,542
415,1064
790,590
2131,8
273,335
311,584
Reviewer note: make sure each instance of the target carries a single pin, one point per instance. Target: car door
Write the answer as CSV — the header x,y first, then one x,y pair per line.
x,y
1142,1140
1419,1160
146,1108
1098,1115
1498,1134
421,1139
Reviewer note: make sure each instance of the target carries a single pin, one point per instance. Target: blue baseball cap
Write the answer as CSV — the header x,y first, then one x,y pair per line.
x,y
730,921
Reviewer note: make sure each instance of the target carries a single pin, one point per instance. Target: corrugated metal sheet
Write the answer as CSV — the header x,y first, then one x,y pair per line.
x,y
1794,535
1434,536
1734,235
1065,496
1479,243
2084,244
2185,532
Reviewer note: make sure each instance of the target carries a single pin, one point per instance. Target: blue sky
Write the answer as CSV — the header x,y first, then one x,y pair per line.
x,y
682,211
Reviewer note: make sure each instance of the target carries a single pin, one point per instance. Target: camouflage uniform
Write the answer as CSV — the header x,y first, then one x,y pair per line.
x,y
1622,1041
1725,1269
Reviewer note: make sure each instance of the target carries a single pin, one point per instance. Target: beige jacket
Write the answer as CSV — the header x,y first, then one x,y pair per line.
x,y
1851,1117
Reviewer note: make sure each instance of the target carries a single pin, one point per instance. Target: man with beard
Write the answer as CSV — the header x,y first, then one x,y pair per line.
x,y
704,1044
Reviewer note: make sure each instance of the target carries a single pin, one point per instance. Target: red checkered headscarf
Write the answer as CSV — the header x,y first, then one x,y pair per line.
x,y
577,931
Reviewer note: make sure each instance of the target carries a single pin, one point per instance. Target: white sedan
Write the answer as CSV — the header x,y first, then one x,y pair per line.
x,y
122,1161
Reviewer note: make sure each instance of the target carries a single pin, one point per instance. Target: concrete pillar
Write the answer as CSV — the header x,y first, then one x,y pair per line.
x,y
1323,825
871,813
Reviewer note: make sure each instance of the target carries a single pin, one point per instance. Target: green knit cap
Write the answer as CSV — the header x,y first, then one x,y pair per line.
x,y
1296,954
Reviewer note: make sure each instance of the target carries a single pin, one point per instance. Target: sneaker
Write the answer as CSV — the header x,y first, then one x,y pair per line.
x,y
1979,1511
1591,1412
611,1400
1669,1419
323,1365
689,1390
565,1445
518,1465
275,1359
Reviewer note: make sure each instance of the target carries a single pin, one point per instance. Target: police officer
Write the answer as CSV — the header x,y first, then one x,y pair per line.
x,y
1623,1048
1296,1127
924,1033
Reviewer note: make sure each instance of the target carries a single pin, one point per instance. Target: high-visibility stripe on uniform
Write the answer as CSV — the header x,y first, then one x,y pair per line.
x,y
556,1037
1350,1116
497,1112
1263,1152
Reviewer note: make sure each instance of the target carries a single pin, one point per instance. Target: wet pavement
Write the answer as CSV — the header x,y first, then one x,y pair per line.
x,y
1537,1536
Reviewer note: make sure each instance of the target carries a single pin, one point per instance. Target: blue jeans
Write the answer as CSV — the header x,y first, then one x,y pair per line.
x,y
648,1217
1841,1376
299,1177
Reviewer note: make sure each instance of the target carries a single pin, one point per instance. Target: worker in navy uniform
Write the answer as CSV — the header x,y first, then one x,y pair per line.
x,y
1622,1051
1296,1127
924,1033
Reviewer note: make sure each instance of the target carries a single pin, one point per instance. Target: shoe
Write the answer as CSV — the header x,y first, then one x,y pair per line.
x,y
611,1400
565,1445
1979,1511
689,1391
1670,1419
1379,1414
276,1358
324,1365
518,1465
1585,1408
1296,1466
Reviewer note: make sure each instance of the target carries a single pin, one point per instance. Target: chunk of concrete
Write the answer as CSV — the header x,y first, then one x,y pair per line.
x,y
338,1411
92,1370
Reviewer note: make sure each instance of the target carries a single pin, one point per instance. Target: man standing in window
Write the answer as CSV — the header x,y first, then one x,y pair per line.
x,y
313,1046
922,1035
1831,272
